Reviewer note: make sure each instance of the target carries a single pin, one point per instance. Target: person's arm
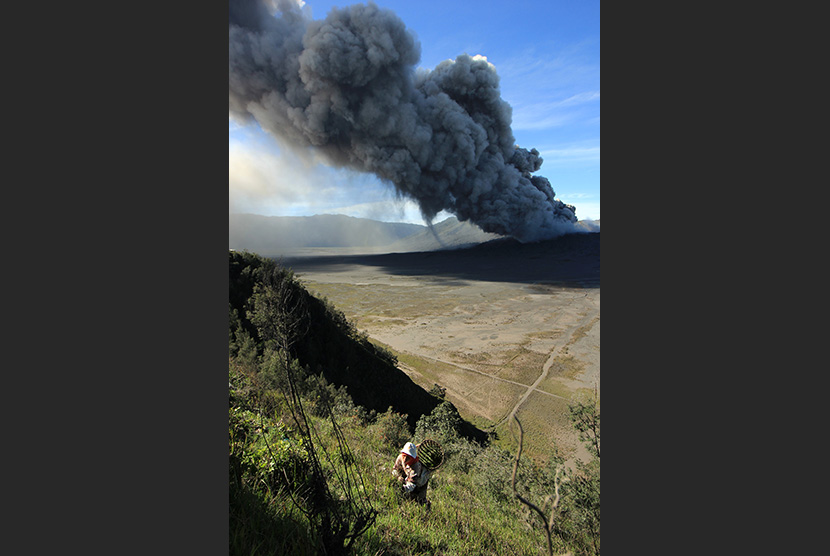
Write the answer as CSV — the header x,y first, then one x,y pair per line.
x,y
412,475
398,470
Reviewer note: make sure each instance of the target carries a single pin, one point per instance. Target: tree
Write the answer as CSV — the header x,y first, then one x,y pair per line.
x,y
559,478
585,418
278,310
443,422
438,391
584,491
338,509
575,503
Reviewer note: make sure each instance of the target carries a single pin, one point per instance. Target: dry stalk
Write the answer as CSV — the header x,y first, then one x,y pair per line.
x,y
548,523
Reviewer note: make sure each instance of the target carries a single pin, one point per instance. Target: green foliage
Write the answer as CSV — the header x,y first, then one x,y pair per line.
x,y
271,490
580,522
269,308
472,510
443,424
277,309
392,431
266,464
322,396
585,418
266,524
438,392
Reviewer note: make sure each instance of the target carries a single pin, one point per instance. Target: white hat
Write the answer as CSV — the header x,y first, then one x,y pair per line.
x,y
409,449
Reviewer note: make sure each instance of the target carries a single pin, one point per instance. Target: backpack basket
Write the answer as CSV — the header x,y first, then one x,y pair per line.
x,y
430,454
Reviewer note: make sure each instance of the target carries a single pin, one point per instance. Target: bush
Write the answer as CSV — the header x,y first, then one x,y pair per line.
x,y
393,430
442,424
491,470
461,454
438,392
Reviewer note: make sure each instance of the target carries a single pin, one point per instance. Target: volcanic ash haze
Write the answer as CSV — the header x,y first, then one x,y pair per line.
x,y
347,86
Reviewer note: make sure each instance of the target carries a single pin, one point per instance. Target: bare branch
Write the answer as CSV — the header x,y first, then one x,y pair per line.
x,y
523,500
547,523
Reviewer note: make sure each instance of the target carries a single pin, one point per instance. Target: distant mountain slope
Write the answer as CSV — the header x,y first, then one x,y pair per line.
x,y
453,234
588,225
272,235
450,234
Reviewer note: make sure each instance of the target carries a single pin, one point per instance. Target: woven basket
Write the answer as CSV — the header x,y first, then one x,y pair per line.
x,y
430,454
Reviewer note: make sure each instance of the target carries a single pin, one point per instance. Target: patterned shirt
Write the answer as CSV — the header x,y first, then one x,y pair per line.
x,y
415,473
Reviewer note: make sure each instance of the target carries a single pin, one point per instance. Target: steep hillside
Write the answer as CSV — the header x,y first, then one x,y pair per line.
x,y
330,345
310,467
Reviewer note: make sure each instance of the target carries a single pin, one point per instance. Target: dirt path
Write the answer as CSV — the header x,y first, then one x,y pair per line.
x,y
569,340
531,388
526,317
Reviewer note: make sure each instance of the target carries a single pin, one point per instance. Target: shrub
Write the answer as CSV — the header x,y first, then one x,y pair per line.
x,y
442,424
393,430
437,391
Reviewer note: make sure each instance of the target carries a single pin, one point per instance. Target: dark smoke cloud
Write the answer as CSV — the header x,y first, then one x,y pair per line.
x,y
347,86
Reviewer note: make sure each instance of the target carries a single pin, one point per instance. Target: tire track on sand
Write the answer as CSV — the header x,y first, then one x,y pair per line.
x,y
588,318
462,398
470,370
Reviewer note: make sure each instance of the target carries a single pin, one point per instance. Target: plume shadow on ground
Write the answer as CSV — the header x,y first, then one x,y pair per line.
x,y
572,260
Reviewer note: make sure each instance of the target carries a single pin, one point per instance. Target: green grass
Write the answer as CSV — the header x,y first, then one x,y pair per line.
x,y
547,426
276,493
390,305
430,369
366,304
460,520
455,524
564,368
471,510
524,366
490,396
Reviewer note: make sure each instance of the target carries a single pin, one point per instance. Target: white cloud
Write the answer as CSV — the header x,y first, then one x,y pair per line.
x,y
552,113
585,210
570,155
552,89
580,98
385,210
263,179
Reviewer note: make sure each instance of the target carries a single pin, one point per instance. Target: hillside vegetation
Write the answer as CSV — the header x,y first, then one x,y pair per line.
x,y
317,415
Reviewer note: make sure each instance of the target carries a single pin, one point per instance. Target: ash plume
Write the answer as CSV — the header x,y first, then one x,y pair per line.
x,y
348,87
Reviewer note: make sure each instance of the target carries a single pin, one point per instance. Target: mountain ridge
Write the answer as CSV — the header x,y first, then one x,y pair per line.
x,y
291,235
269,235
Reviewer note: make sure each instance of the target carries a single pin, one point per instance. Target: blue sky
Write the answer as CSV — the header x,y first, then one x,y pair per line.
x,y
547,55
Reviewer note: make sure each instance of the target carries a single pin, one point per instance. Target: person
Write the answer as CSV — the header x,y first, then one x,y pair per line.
x,y
410,473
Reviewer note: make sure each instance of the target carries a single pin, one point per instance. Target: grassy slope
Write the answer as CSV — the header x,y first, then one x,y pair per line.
x,y
472,508
461,519
470,511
